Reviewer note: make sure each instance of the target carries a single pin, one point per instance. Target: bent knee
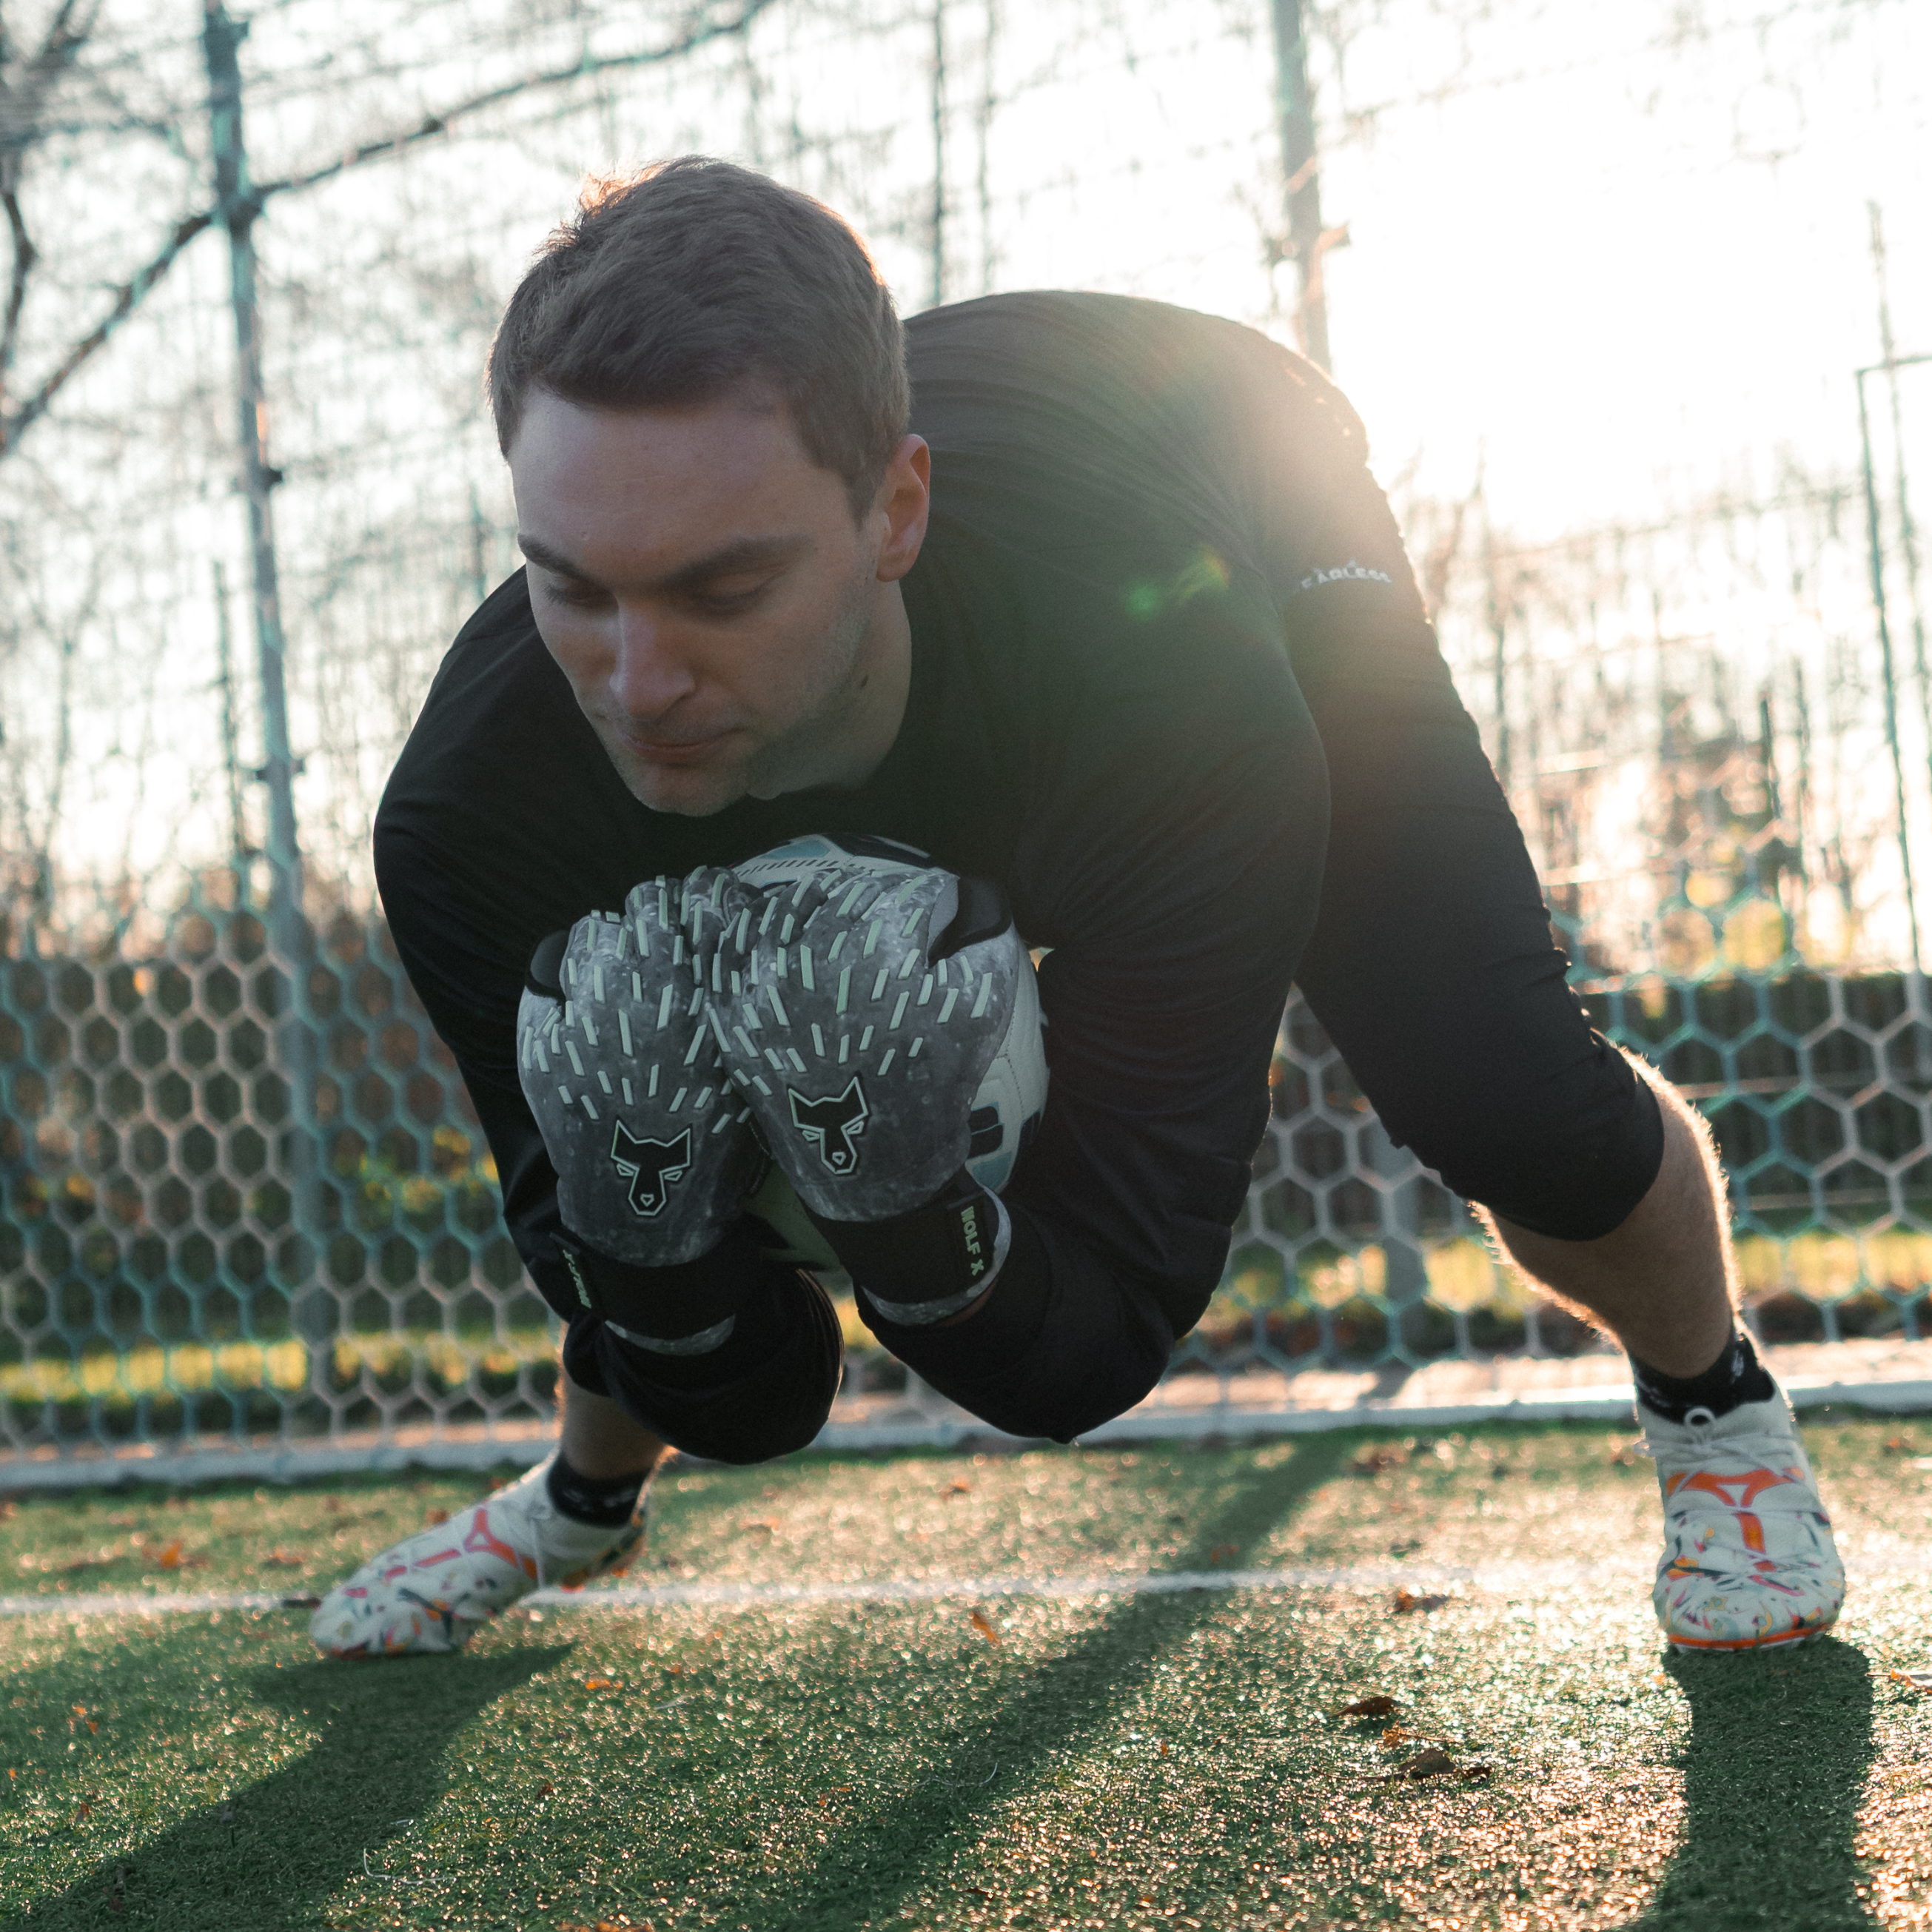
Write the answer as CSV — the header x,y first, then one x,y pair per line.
x,y
1570,1159
774,1409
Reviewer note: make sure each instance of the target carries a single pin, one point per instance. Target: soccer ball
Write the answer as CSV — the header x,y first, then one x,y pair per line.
x,y
1006,1107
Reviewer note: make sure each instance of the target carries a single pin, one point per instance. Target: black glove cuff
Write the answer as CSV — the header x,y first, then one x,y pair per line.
x,y
687,1309
942,1252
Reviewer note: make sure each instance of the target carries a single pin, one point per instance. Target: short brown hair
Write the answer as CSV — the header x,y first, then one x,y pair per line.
x,y
677,284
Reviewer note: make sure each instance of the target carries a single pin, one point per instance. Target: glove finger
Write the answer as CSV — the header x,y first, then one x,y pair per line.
x,y
719,912
652,921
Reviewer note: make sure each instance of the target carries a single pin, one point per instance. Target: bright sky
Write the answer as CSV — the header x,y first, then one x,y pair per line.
x,y
1635,280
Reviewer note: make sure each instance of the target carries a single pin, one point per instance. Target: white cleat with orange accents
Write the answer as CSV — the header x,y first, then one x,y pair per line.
x,y
435,1590
1749,1561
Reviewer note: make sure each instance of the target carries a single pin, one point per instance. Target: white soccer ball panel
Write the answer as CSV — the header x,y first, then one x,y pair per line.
x,y
1015,1089
814,853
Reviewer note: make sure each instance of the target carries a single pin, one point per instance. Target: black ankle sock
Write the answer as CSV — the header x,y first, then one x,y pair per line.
x,y
1736,1376
596,1499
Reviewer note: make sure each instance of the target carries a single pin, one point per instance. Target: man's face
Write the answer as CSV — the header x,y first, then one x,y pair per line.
x,y
727,627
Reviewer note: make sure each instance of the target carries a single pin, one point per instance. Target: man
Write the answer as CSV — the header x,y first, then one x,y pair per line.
x,y
1109,630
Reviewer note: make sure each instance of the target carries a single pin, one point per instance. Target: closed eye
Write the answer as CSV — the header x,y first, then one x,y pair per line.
x,y
573,592
726,600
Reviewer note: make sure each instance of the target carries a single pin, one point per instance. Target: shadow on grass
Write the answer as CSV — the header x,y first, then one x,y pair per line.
x,y
1773,1774
885,1854
291,1841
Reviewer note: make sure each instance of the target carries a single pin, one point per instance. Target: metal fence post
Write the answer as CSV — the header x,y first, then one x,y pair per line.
x,y
290,940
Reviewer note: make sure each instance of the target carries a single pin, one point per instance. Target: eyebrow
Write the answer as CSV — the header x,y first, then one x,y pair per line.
x,y
746,554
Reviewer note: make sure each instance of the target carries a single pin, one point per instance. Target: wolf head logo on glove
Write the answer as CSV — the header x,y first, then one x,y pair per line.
x,y
651,1167
829,1125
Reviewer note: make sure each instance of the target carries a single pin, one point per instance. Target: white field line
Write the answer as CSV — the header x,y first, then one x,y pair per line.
x,y
1489,1579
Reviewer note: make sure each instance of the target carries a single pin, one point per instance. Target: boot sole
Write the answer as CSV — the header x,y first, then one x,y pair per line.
x,y
1697,1646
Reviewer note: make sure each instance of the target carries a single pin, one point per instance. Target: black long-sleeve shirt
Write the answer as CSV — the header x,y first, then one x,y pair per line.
x,y
1143,519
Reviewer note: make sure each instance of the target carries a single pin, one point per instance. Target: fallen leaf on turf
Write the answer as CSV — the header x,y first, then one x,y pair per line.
x,y
1224,1552
602,1684
83,1810
1408,1604
280,1559
762,1523
169,1555
1394,1735
957,1489
1431,1763
1369,1707
1378,1457
546,1790
435,1516
1918,1680
980,1625
1475,1771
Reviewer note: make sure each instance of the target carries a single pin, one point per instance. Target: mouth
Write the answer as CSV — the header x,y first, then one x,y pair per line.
x,y
670,750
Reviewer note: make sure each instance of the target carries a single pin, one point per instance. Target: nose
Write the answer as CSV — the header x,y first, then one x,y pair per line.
x,y
649,675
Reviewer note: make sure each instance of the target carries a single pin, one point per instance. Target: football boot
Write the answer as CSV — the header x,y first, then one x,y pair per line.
x,y
434,1590
1749,1561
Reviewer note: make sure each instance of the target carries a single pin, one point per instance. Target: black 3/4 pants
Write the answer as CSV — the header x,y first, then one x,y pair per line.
x,y
1433,969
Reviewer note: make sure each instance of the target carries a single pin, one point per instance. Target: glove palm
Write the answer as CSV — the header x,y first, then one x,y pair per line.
x,y
654,1157
858,1012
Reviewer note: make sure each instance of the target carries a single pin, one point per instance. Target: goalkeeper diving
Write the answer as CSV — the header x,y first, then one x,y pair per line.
x,y
857,666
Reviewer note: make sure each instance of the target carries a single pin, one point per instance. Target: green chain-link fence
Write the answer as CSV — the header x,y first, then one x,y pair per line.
x,y
175,1277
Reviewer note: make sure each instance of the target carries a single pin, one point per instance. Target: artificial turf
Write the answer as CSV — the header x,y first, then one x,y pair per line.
x,y
1091,1760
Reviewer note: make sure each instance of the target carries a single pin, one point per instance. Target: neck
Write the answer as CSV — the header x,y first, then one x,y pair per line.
x,y
884,684
847,743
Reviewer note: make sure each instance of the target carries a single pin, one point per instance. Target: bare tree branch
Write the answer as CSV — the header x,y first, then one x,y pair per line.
x,y
130,292
434,125
24,256
22,101
126,299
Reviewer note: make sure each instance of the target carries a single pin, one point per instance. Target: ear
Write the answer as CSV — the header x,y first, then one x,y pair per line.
x,y
905,497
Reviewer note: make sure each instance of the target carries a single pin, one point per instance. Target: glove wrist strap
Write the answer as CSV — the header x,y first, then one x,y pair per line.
x,y
654,1306
919,1267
